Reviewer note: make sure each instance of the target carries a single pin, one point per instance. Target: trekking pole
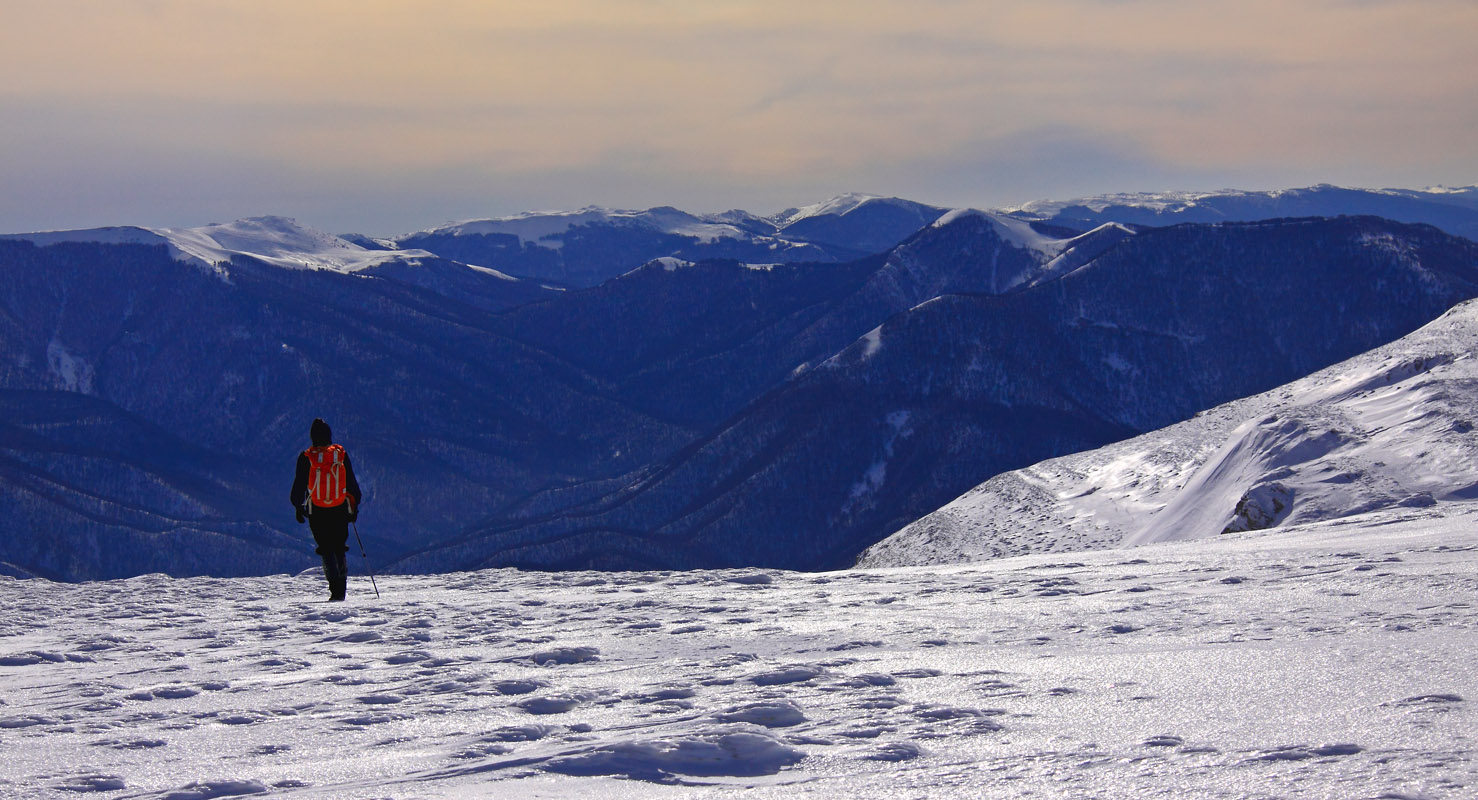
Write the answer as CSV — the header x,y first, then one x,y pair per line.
x,y
366,559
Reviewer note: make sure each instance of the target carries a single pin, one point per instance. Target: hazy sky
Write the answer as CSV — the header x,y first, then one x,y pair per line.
x,y
385,117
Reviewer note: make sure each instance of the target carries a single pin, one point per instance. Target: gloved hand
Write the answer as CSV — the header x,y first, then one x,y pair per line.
x,y
301,518
353,512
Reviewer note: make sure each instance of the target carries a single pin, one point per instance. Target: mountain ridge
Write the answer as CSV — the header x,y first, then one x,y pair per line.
x,y
671,415
970,383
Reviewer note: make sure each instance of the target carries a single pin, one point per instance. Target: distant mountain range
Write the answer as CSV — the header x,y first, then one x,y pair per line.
x,y
1159,325
586,247
1454,210
685,410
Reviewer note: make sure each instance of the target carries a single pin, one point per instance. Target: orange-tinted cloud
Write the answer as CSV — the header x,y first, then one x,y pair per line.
x,y
743,93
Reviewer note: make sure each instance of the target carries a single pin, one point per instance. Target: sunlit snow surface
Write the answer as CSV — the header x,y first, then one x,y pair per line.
x,y
1334,660
1388,428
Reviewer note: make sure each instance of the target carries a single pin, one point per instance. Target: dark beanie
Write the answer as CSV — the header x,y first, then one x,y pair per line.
x,y
322,436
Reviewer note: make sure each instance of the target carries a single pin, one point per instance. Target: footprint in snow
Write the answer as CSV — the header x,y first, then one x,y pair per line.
x,y
886,701
707,754
795,674
520,733
855,645
866,733
242,718
375,718
754,579
768,714
41,657
210,790
1303,752
664,694
335,615
91,783
946,713
164,693
1430,700
996,687
408,657
135,744
482,750
868,680
893,751
517,686
551,704
24,721
565,655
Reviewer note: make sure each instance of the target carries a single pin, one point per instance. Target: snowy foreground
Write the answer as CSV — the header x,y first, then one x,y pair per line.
x,y
1333,660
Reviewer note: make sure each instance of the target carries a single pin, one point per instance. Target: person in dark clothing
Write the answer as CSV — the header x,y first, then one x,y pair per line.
x,y
326,495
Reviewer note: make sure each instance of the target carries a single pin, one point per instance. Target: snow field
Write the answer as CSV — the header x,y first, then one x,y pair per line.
x,y
1329,660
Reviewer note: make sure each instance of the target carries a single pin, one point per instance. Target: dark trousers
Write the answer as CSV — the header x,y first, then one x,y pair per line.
x,y
330,528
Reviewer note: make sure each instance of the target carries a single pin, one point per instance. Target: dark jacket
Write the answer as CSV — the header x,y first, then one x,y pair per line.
x,y
322,437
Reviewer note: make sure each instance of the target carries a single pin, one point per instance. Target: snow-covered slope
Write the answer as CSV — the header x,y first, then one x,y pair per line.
x,y
1333,661
839,206
282,242
1394,427
273,240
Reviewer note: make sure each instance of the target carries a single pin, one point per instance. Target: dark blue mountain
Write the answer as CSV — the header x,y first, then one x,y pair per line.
x,y
585,248
1454,211
687,412
447,419
1157,327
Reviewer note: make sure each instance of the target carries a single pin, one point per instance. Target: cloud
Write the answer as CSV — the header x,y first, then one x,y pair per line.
x,y
320,106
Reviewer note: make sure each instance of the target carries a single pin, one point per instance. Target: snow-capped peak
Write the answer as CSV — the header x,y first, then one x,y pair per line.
x,y
276,240
279,241
841,204
547,228
1015,232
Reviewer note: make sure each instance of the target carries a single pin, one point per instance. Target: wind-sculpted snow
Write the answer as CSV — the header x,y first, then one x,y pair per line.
x,y
1326,661
1394,427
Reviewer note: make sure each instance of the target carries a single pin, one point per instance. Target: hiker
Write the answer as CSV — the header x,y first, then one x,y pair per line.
x,y
326,496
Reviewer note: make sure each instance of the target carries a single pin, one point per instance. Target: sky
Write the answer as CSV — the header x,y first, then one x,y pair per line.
x,y
386,117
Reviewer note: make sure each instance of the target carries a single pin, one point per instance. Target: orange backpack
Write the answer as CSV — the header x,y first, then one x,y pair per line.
x,y
326,485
